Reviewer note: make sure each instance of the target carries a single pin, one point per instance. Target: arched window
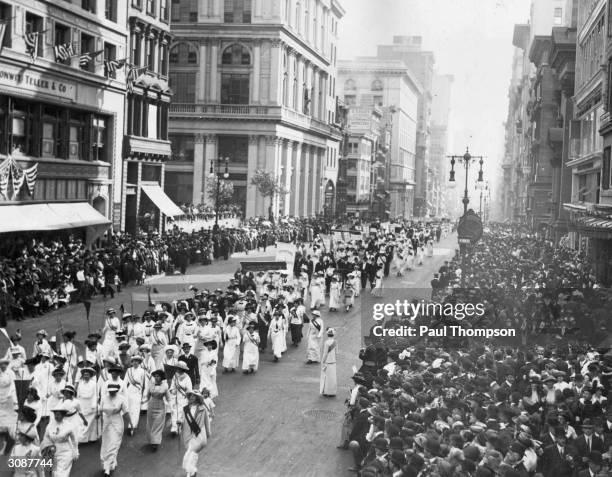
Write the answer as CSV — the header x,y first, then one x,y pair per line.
x,y
377,85
235,75
236,54
183,54
349,85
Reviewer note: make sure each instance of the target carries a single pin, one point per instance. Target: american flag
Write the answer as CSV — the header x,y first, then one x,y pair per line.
x,y
2,31
63,52
113,65
85,58
31,41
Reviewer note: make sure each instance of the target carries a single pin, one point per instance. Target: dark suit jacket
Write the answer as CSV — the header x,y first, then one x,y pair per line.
x,y
361,425
553,465
582,448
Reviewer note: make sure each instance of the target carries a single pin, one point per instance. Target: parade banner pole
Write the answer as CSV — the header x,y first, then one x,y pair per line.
x,y
87,305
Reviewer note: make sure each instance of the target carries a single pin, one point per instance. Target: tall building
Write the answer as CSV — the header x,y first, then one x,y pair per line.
x,y
255,82
61,115
146,147
369,83
440,116
408,49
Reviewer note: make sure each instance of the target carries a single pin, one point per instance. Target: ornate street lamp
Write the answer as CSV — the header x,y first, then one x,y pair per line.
x,y
467,160
219,175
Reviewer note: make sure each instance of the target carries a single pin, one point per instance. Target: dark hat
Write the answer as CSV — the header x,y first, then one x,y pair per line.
x,y
69,388
212,343
380,443
58,370
160,373
517,447
587,423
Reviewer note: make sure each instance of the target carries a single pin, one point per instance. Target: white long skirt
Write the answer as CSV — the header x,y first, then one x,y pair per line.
x,y
231,355
329,383
313,352
190,459
279,343
250,356
134,400
112,435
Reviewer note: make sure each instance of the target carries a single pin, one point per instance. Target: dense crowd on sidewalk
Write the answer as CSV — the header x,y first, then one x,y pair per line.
x,y
479,409
43,274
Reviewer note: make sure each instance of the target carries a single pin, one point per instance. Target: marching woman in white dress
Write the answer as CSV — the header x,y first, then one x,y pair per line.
x,y
397,262
113,407
136,382
378,284
408,260
8,401
194,432
60,442
329,383
231,351
317,291
430,247
276,334
112,324
87,395
159,341
335,294
148,365
208,359
69,352
158,394
315,334
355,281
250,356
420,254
74,415
54,391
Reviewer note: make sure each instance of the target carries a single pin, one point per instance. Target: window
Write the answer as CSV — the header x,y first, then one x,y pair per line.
x,y
110,52
99,139
53,130
152,121
89,5
137,4
182,147
110,10
23,127
88,45
34,31
237,11
76,135
64,43
163,10
298,17
558,17
350,99
6,17
183,86
605,183
136,49
163,60
377,85
183,54
234,147
378,100
234,89
287,11
151,7
150,53
236,54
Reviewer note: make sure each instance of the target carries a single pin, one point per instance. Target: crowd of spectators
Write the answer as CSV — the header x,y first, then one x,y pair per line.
x,y
480,408
43,274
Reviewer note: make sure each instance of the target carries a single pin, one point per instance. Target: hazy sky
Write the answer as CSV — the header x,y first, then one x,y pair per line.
x,y
471,39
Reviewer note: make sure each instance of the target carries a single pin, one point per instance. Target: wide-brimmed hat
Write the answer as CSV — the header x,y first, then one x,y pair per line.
x,y
181,365
30,433
89,370
112,387
197,394
69,388
136,357
58,370
331,332
41,333
212,343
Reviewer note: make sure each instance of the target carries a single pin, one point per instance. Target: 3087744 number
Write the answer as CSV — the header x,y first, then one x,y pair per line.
x,y
28,463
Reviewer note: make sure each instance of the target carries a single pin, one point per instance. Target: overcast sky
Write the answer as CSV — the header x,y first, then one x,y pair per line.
x,y
471,39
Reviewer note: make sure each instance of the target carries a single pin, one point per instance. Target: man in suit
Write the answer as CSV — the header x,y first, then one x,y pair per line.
x,y
358,444
557,459
587,443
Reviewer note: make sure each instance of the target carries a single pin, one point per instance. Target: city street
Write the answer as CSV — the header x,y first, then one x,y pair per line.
x,y
273,423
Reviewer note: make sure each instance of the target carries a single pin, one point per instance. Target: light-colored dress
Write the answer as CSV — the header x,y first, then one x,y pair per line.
x,y
62,436
135,381
317,295
250,356
231,351
87,395
113,408
208,371
8,401
430,247
276,334
334,295
196,438
315,333
29,451
156,413
329,383
180,387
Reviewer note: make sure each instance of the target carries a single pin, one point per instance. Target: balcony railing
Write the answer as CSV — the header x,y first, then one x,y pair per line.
x,y
280,113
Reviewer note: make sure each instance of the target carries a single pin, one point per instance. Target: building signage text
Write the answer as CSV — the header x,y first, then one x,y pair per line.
x,y
37,83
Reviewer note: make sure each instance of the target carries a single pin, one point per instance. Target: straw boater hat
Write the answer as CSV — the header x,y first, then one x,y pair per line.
x,y
70,389
197,394
181,365
136,357
331,332
88,370
41,333
144,347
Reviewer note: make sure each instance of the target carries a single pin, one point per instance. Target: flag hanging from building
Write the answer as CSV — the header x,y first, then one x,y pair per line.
x,y
132,76
11,173
86,58
30,177
113,65
31,41
63,52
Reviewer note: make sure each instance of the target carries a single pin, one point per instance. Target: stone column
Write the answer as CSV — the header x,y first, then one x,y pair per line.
x,y
214,61
320,154
296,179
291,77
305,187
273,166
251,205
288,172
201,87
255,94
314,110
312,180
210,155
198,169
299,107
276,89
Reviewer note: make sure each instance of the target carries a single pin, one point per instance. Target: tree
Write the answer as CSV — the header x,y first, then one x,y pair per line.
x,y
268,185
226,191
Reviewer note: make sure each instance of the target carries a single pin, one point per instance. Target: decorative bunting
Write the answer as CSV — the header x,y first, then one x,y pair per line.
x,y
30,176
63,52
12,173
31,41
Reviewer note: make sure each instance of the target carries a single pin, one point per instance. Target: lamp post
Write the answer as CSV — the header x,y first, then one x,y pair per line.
x,y
467,160
225,175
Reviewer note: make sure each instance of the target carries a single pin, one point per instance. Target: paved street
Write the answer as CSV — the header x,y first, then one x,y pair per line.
x,y
273,423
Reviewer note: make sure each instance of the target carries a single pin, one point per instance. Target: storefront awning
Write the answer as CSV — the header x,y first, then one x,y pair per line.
x,y
162,201
50,216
